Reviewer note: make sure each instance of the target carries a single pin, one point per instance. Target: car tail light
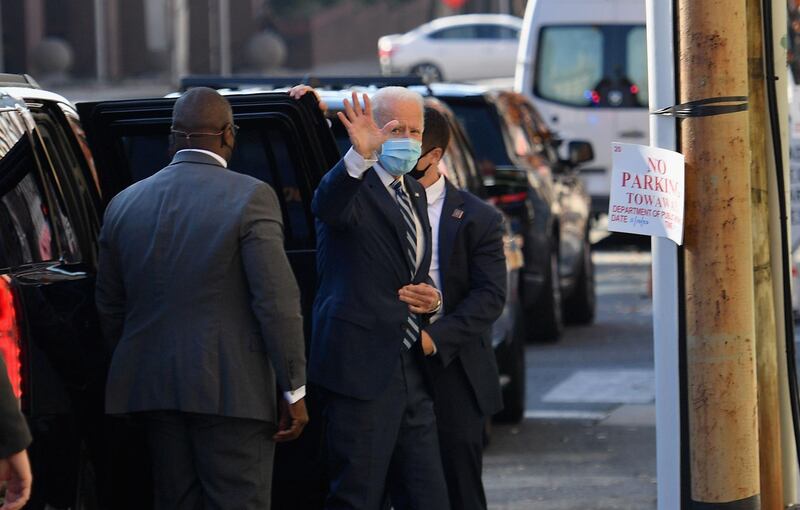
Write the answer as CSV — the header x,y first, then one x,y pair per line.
x,y
385,48
9,336
511,198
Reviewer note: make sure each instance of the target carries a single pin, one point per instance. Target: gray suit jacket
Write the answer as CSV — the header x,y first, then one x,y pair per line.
x,y
196,294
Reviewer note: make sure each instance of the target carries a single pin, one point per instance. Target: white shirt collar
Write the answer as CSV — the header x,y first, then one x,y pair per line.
x,y
435,191
220,159
386,178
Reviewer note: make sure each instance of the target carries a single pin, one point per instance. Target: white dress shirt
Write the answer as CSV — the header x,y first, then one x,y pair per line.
x,y
357,165
436,193
214,155
290,396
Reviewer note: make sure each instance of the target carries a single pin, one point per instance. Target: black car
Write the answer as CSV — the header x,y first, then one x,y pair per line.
x,y
543,193
53,189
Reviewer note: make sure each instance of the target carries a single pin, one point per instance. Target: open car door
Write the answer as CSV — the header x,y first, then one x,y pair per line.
x,y
282,141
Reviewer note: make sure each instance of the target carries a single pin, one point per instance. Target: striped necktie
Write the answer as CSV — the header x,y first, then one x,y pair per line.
x,y
410,245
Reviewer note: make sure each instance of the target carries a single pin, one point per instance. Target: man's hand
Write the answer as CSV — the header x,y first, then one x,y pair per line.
x,y
16,472
293,419
428,347
299,91
364,134
420,298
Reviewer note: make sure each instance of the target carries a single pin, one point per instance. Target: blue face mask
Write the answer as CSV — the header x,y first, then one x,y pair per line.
x,y
399,155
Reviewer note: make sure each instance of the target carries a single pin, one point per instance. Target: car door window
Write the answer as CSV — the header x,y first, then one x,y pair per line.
x,y
26,219
460,32
75,203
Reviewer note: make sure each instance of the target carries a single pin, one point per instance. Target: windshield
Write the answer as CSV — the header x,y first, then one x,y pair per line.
x,y
592,65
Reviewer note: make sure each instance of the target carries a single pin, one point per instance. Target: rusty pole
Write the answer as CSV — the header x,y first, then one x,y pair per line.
x,y
718,258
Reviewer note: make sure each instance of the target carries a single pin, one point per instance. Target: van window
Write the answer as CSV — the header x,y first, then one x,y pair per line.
x,y
592,65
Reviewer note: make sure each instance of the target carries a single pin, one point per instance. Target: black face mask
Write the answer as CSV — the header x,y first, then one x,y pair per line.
x,y
419,174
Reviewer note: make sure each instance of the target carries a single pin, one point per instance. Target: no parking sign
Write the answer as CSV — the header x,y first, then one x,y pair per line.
x,y
647,191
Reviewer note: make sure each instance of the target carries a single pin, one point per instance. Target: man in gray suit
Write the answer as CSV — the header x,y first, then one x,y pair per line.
x,y
197,295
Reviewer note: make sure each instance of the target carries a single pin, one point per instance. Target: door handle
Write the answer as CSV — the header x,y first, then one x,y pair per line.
x,y
632,134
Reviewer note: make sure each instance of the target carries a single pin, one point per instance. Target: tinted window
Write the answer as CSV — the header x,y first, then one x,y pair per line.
x,y
462,32
480,122
73,195
26,227
595,66
262,151
496,32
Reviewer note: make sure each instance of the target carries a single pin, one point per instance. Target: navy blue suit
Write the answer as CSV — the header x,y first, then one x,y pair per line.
x,y
380,426
472,270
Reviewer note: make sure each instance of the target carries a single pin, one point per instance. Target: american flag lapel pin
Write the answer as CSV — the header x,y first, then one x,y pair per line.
x,y
458,213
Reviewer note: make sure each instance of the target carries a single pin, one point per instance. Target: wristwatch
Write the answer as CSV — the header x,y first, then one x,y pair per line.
x,y
438,304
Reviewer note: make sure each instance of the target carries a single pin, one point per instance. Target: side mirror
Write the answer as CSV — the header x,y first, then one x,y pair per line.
x,y
579,152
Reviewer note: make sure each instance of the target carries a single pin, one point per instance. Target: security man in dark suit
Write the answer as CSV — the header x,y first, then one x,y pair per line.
x,y
468,265
15,469
196,294
374,252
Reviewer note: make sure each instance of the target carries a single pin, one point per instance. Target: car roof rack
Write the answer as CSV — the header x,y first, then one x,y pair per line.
x,y
278,82
18,80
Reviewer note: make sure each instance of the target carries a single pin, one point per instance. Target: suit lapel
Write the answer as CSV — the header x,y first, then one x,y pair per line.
x,y
386,203
449,223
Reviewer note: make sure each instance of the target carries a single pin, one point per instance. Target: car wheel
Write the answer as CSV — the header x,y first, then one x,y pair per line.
x,y
511,364
579,308
428,72
547,321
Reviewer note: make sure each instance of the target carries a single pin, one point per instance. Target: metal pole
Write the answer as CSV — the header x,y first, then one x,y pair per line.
x,y
101,40
661,85
225,67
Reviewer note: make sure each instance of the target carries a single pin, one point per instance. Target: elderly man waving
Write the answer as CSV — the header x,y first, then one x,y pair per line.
x,y
374,253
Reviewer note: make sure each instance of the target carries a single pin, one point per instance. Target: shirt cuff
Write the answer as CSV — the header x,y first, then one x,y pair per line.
x,y
356,164
293,396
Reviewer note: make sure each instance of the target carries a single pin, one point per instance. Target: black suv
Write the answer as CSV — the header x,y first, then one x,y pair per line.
x,y
53,189
518,156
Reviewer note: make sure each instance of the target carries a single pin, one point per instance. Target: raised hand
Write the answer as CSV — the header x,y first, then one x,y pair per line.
x,y
364,134
299,91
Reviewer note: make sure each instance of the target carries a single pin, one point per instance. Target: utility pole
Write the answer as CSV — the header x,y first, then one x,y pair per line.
x,y
718,260
769,427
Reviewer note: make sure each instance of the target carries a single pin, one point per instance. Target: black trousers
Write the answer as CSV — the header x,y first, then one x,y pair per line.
x,y
386,443
460,424
207,462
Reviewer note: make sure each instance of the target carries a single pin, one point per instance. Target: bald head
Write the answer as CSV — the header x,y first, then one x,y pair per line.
x,y
206,116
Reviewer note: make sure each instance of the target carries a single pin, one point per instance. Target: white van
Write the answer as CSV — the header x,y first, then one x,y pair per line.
x,y
584,65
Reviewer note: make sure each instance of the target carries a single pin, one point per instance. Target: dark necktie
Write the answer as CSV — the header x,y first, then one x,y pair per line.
x,y
410,245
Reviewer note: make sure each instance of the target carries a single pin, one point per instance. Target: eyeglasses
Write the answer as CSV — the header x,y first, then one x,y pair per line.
x,y
187,136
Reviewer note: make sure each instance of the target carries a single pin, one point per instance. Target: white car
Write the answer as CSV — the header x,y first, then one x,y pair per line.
x,y
466,47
